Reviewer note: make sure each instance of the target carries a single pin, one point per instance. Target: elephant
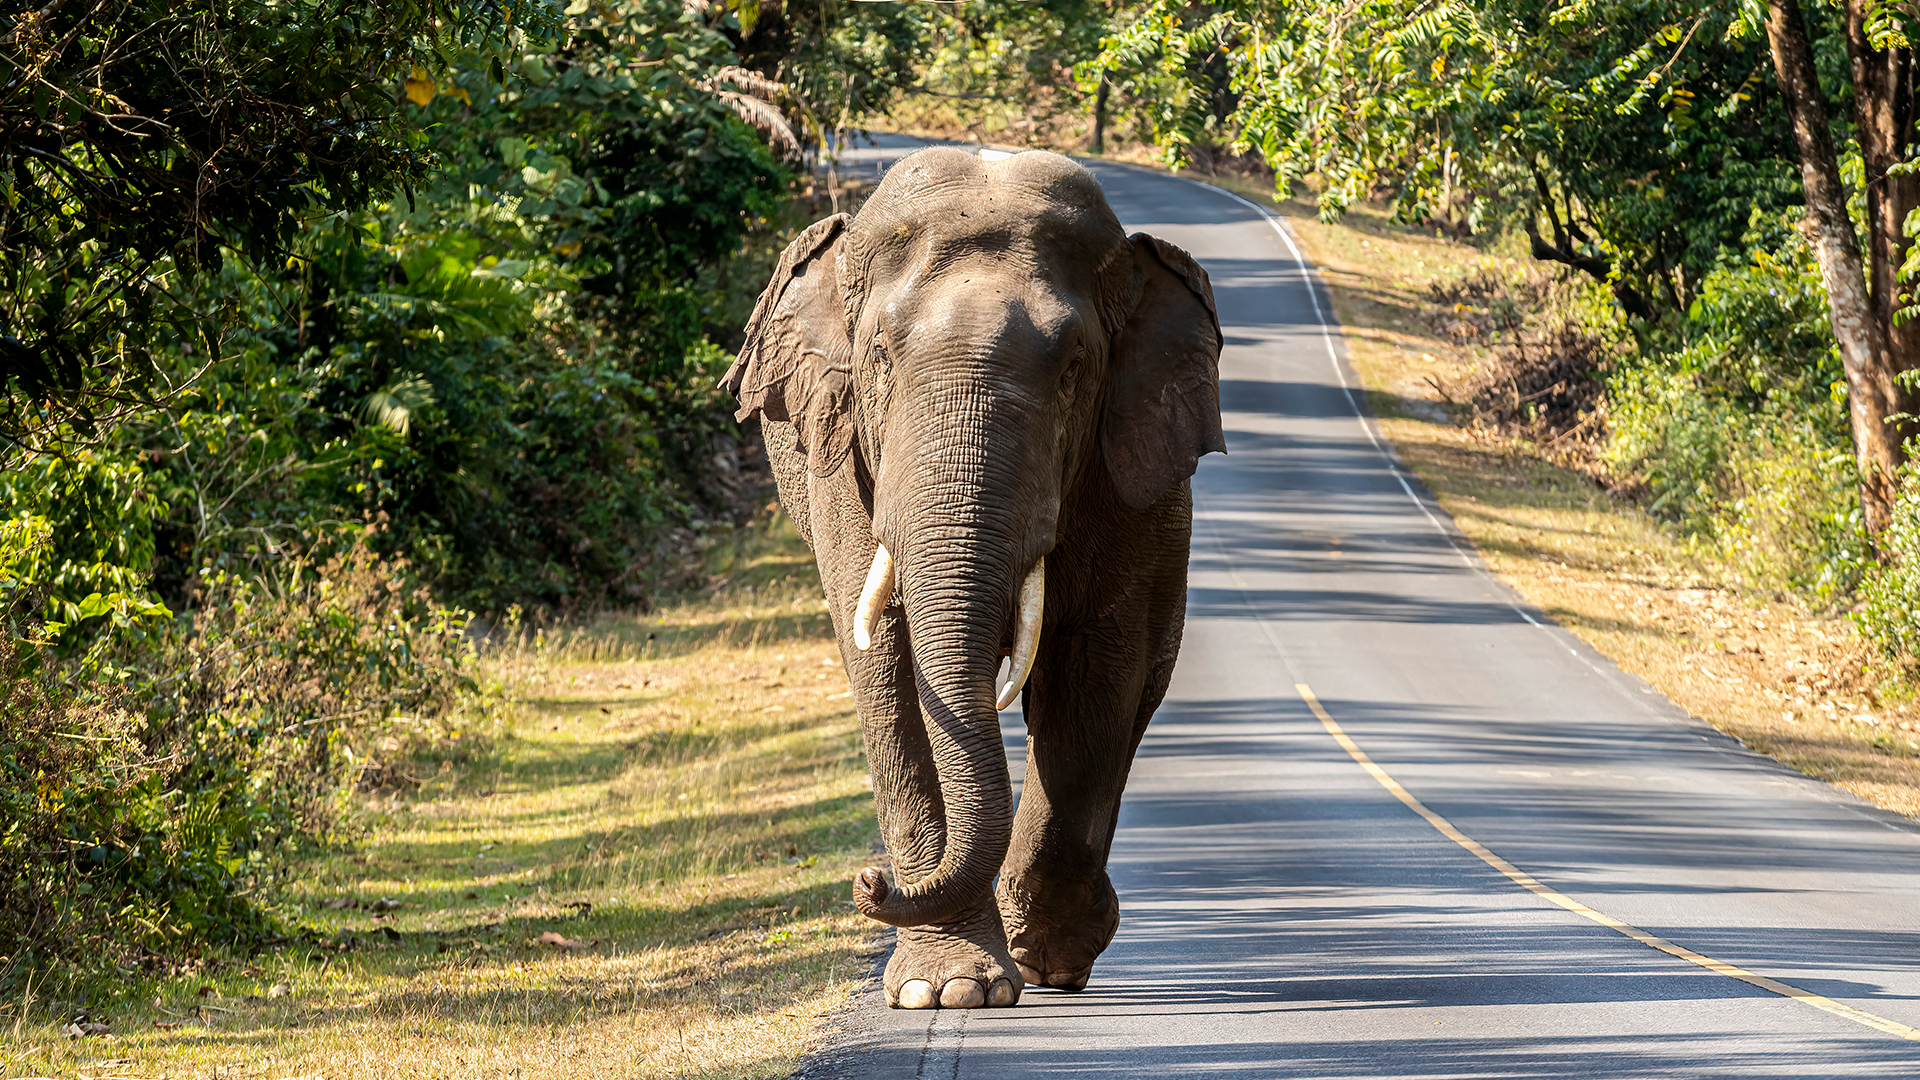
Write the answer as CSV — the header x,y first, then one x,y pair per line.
x,y
983,403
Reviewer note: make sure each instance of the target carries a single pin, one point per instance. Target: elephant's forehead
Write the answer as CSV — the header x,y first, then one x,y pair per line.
x,y
948,195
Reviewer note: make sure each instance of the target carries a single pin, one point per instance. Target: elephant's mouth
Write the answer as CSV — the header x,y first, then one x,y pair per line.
x,y
1026,628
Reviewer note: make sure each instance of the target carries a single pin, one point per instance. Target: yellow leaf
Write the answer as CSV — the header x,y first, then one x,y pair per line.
x,y
569,248
419,86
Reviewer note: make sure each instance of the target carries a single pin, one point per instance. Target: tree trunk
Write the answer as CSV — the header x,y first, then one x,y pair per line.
x,y
1883,110
1866,350
1099,142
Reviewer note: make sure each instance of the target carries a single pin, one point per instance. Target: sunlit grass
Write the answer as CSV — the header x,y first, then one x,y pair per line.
x,y
646,878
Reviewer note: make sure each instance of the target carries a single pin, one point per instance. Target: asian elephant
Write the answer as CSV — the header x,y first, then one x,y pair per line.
x,y
983,401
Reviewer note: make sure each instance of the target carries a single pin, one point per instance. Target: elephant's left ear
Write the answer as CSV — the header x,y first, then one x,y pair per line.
x,y
796,365
1163,400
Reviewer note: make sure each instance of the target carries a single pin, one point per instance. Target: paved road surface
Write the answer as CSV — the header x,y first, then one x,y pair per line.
x,y
1284,914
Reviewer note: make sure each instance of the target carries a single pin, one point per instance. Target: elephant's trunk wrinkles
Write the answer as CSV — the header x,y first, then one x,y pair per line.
x,y
1027,616
961,547
957,611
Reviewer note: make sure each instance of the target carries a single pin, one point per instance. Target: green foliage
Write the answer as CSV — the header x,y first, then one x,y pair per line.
x,y
1632,139
83,572
1889,610
494,386
148,783
511,366
1020,58
1740,432
842,59
143,144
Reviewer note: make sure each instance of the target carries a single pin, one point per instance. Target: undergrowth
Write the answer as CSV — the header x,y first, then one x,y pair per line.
x,y
156,770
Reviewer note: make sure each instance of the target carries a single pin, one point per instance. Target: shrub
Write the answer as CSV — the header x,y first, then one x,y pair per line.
x,y
1889,610
1734,422
1790,519
149,779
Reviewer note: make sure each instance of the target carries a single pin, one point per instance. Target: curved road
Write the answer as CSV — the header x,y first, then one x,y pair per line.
x,y
1392,823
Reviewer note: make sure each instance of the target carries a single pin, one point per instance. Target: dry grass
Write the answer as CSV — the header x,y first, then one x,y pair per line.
x,y
1802,688
648,878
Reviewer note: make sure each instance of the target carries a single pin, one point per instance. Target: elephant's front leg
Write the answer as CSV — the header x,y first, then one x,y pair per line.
x,y
961,964
958,965
1087,705
1095,685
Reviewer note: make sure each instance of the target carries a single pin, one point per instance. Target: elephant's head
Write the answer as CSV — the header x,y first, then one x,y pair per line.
x,y
989,345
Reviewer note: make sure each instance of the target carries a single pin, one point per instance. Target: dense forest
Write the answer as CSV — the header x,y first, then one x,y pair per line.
x,y
340,341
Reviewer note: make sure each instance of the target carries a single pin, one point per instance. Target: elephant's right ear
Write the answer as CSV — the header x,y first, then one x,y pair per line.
x,y
797,363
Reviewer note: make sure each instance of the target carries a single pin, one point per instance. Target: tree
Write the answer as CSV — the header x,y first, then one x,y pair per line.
x,y
1874,349
1629,141
145,142
1634,142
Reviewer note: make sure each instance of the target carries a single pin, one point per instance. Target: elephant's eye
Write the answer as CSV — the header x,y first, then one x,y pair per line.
x,y
1070,380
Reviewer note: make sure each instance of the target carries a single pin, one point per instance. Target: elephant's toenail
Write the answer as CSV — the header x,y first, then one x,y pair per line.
x,y
1004,994
915,994
1069,980
1031,975
962,994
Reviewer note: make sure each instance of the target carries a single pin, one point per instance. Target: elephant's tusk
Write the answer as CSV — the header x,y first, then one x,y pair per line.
x,y
878,591
1026,633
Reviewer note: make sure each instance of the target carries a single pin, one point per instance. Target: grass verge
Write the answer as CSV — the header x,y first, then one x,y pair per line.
x,y
646,878
1802,688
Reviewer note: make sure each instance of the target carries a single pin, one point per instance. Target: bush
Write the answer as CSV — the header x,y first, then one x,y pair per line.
x,y
511,369
1790,519
1671,439
149,780
1544,379
1889,610
1737,429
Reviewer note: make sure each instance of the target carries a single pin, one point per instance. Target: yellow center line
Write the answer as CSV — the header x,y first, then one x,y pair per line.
x,y
1528,882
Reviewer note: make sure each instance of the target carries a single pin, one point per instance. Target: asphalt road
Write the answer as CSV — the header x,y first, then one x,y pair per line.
x,y
1284,913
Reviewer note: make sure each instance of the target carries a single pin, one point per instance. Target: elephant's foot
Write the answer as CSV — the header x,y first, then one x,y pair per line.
x,y
959,965
1056,931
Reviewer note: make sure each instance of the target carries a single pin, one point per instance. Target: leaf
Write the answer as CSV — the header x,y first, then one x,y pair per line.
x,y
84,1029
393,407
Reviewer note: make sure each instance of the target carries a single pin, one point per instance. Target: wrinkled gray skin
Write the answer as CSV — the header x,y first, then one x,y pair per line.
x,y
978,370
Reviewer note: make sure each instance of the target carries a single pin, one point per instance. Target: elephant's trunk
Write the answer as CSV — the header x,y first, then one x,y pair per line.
x,y
1027,619
956,623
967,533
